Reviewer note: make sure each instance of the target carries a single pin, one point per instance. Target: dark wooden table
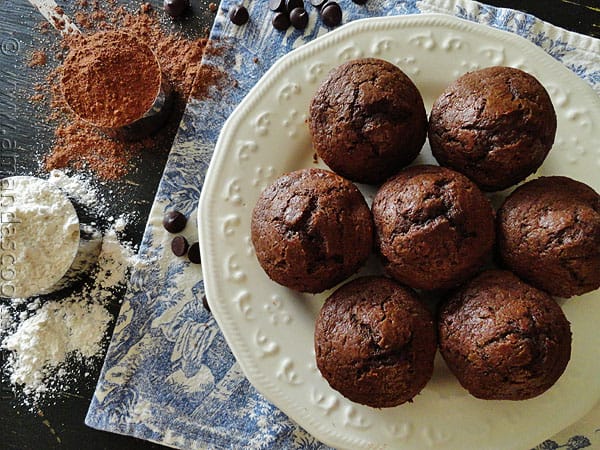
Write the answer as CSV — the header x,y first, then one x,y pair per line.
x,y
59,424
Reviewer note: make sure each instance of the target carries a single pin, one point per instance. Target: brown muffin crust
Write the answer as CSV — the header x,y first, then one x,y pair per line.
x,y
311,229
434,227
549,234
495,125
367,120
375,342
504,339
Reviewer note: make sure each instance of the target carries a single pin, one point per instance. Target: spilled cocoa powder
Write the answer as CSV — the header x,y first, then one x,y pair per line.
x,y
38,58
79,145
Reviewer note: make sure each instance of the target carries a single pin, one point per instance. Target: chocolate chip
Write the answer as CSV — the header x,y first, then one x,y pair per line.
x,y
299,18
174,221
194,253
360,2
331,14
179,246
238,15
293,4
175,8
281,21
318,3
277,5
205,303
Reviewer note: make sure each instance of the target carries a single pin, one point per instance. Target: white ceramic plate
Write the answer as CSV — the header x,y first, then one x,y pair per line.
x,y
270,328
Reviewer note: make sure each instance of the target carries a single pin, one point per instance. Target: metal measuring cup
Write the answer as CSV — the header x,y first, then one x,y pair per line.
x,y
35,252
136,127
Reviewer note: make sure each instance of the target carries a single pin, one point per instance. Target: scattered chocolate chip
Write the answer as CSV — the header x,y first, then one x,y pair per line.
x,y
179,246
281,21
360,2
205,303
277,5
175,8
318,3
331,14
212,7
290,5
194,253
174,221
299,18
238,15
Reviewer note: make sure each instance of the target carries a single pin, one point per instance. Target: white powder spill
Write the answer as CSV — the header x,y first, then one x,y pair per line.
x,y
5,319
114,262
43,342
77,188
52,342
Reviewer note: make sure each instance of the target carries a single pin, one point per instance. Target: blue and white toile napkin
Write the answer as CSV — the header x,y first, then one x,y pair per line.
x,y
169,375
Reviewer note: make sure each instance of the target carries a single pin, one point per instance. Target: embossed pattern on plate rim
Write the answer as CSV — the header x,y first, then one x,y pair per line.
x,y
211,194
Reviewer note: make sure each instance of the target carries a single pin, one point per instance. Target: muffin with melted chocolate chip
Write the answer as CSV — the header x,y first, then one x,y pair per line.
x,y
434,227
367,120
311,229
504,339
375,342
549,234
495,125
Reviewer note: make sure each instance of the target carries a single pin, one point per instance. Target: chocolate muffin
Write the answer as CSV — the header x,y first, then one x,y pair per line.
x,y
504,339
434,227
367,120
375,342
549,234
494,125
311,229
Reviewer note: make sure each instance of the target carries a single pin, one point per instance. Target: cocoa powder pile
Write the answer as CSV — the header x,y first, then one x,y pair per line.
x,y
38,58
80,145
110,79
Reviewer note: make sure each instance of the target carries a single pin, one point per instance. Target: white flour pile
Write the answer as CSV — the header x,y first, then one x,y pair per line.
x,y
43,342
54,342
40,236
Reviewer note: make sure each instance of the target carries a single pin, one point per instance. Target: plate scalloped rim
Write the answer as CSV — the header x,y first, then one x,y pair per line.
x,y
341,425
